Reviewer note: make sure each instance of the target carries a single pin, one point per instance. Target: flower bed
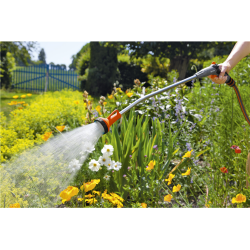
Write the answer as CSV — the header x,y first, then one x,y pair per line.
x,y
174,150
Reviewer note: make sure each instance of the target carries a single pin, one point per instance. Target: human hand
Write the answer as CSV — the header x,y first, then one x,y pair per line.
x,y
224,67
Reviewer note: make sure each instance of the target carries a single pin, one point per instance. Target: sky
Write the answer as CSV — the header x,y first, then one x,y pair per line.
x,y
58,52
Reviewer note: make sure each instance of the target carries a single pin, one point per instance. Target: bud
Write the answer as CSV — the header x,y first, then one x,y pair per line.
x,y
137,82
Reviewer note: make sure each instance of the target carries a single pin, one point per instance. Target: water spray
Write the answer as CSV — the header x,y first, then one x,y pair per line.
x,y
212,70
38,175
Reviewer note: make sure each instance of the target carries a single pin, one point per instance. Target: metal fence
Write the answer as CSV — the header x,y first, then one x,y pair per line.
x,y
44,77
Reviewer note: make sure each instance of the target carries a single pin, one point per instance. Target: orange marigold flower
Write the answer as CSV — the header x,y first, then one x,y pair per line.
x,y
29,94
60,128
129,94
104,103
187,172
15,205
188,154
110,96
170,178
168,197
176,188
144,205
90,201
69,192
23,96
46,136
150,165
239,198
89,185
224,170
15,96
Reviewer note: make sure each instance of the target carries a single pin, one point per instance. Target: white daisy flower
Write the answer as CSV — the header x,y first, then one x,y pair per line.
x,y
74,165
104,160
110,165
88,147
117,166
107,150
94,165
106,177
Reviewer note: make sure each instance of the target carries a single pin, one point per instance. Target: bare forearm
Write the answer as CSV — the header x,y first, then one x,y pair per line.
x,y
240,50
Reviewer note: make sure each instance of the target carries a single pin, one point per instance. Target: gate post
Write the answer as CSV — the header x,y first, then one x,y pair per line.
x,y
47,77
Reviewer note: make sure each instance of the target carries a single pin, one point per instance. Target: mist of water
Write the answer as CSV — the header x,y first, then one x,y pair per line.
x,y
42,172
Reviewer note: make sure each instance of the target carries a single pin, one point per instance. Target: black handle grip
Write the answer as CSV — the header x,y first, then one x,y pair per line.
x,y
230,81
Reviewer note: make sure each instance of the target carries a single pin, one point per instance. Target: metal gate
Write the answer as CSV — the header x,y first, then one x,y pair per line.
x,y
44,77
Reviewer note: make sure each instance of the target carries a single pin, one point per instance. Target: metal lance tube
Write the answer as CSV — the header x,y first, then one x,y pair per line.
x,y
156,93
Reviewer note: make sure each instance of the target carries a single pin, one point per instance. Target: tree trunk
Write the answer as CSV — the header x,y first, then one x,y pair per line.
x,y
180,64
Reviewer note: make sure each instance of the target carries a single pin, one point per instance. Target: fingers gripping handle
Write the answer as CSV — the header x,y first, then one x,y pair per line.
x,y
214,71
230,81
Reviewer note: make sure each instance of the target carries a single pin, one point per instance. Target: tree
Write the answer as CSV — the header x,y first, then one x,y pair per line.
x,y
42,56
21,53
180,53
63,66
78,60
102,69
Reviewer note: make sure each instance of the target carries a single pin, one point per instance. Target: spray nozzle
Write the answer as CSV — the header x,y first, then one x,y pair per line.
x,y
107,122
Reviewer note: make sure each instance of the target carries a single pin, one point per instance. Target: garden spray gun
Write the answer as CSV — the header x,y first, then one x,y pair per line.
x,y
211,70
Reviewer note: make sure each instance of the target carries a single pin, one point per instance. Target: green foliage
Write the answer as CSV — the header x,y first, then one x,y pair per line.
x,y
20,51
102,69
42,56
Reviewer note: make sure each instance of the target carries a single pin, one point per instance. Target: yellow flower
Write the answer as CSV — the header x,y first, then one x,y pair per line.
x,y
150,165
13,103
208,205
118,89
29,94
89,196
90,201
15,96
170,178
188,154
80,199
104,103
76,102
97,192
20,102
239,198
68,193
60,128
187,172
46,136
20,107
110,96
117,197
15,205
129,94
176,188
98,108
23,96
168,197
144,205
25,104
89,185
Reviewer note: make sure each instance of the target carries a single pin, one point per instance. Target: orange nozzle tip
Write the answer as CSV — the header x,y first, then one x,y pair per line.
x,y
107,122
213,62
113,117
